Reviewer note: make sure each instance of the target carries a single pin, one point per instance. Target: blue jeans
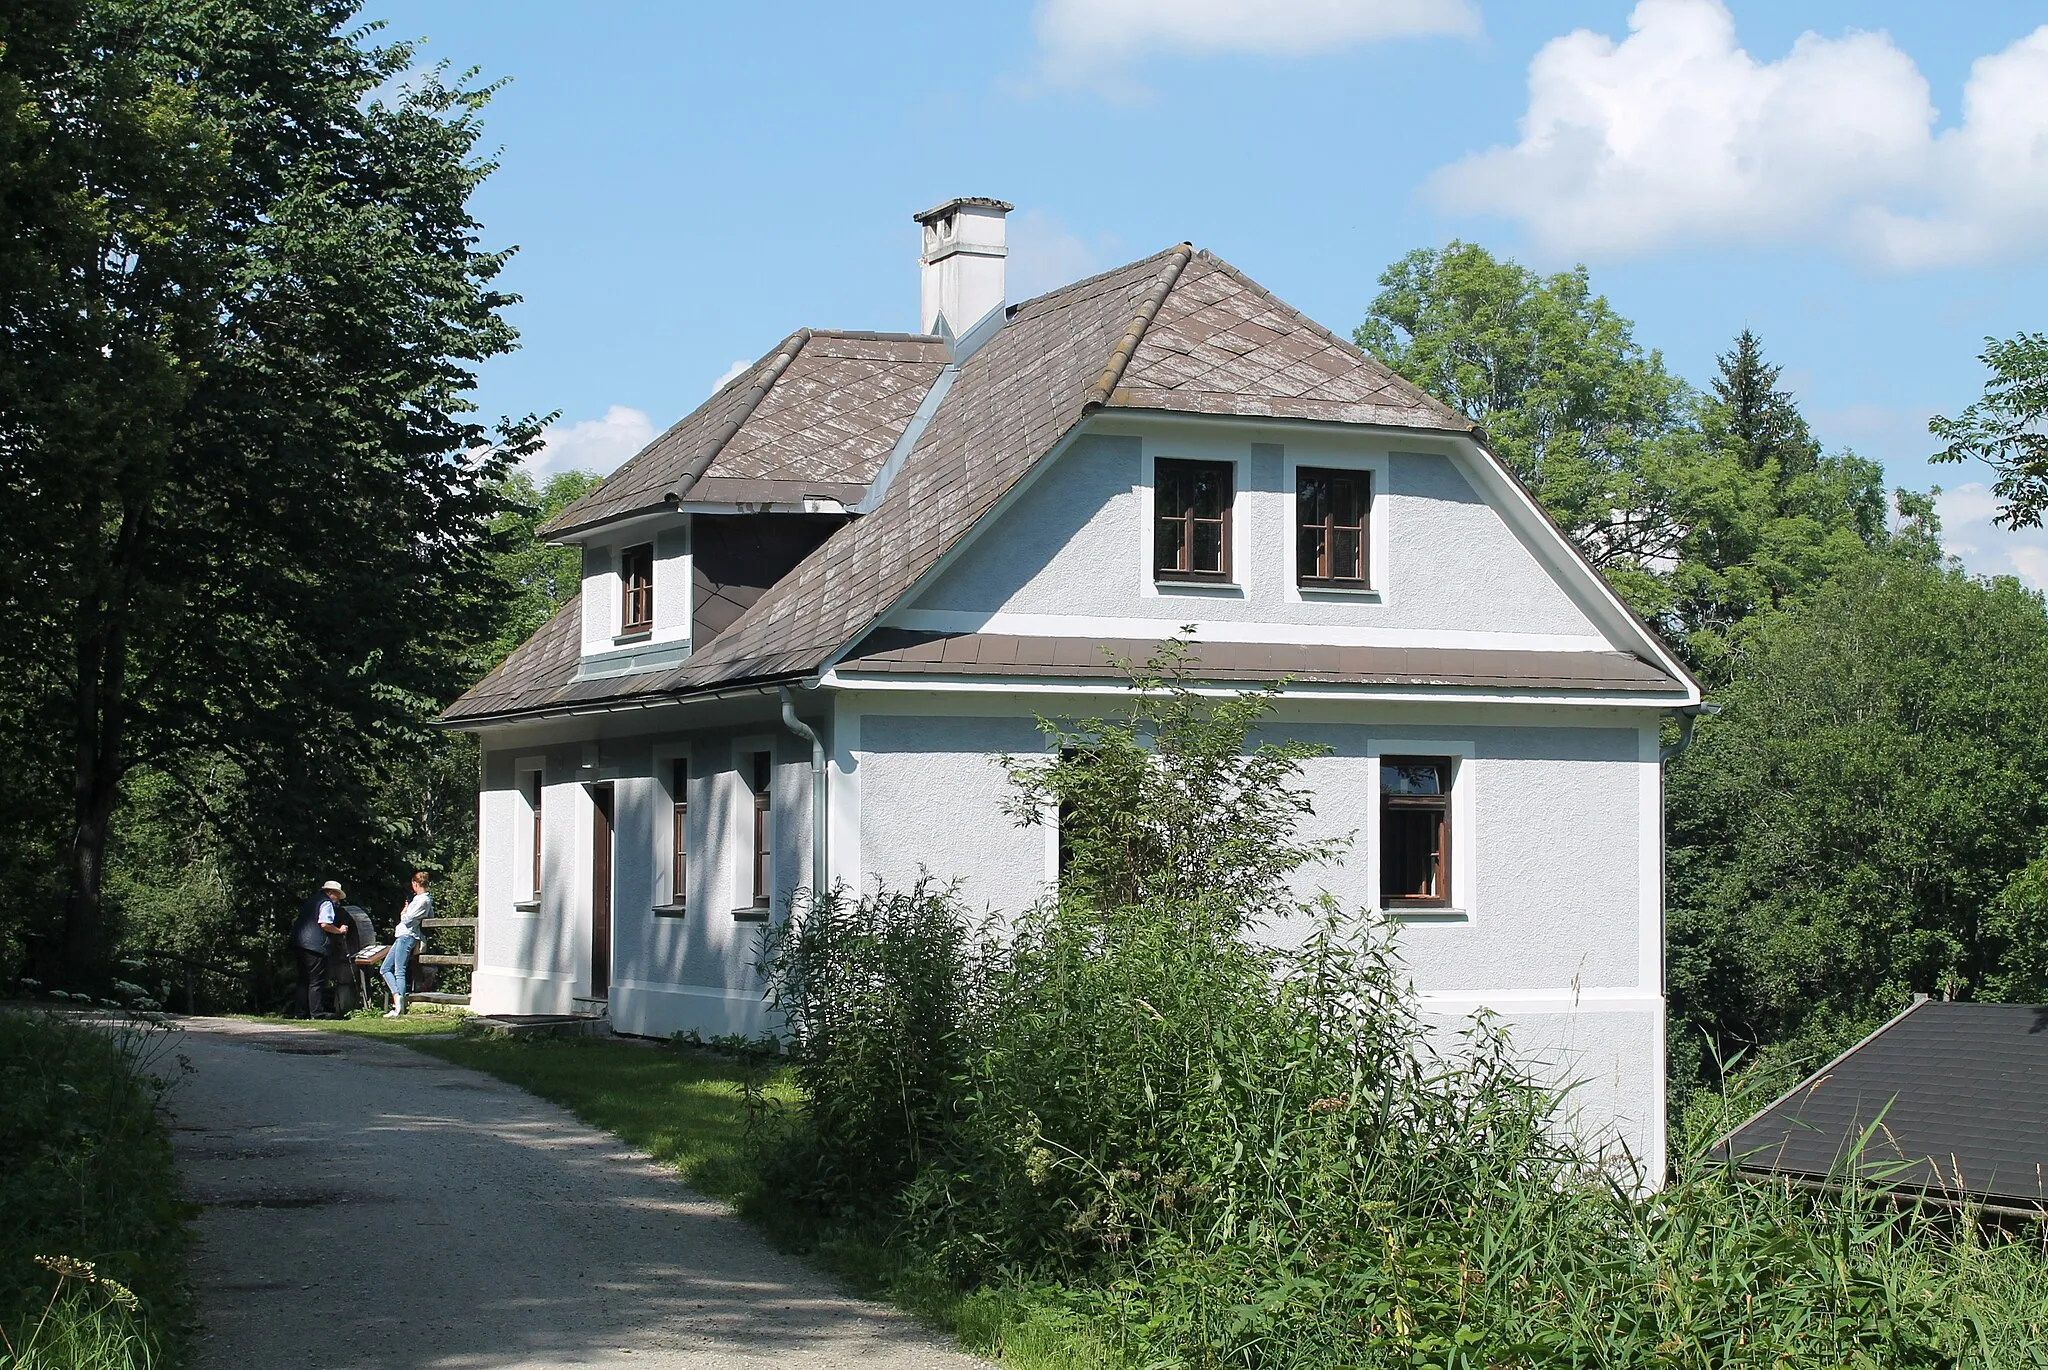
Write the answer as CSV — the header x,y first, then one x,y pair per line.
x,y
395,964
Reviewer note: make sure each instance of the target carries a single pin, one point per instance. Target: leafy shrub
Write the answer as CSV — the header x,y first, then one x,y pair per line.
x,y
92,1233
1209,1150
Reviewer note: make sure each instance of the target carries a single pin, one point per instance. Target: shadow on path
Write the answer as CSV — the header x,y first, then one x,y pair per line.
x,y
366,1205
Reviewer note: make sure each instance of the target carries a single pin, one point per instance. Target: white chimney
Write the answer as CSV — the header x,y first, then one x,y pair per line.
x,y
962,265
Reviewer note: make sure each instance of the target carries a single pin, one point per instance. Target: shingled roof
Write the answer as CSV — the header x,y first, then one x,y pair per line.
x,y
1181,330
1953,1097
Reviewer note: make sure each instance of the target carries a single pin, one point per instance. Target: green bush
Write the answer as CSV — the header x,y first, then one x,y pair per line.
x,y
1212,1150
92,1235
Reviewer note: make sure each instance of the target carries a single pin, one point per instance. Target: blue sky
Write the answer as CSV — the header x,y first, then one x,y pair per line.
x,y
1866,184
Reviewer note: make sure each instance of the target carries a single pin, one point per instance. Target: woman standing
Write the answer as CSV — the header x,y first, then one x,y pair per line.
x,y
406,941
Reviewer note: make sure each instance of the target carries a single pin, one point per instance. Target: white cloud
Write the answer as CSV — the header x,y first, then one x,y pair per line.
x,y
1676,134
1968,533
1044,255
739,364
1084,39
599,445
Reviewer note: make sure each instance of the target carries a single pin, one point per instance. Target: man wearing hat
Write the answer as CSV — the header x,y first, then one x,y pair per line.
x,y
320,921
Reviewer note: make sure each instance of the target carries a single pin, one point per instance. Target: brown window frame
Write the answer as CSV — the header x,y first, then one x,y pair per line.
x,y
679,819
535,797
1164,470
636,590
762,782
1404,804
1327,528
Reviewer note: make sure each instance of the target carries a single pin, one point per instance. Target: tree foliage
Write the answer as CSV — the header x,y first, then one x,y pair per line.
x,y
1701,510
2008,427
1854,825
247,495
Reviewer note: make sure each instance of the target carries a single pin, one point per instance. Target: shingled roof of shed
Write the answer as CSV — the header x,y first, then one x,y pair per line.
x,y
1180,330
1954,1098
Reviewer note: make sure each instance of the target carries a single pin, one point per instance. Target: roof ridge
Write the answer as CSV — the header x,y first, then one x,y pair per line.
x,y
1148,309
1095,279
708,450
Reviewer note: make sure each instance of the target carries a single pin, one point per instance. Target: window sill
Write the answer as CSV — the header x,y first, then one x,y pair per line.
x,y
669,910
1338,591
526,906
1221,587
1427,915
633,635
750,914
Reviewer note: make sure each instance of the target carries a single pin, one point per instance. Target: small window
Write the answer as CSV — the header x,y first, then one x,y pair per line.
x,y
679,823
636,577
764,857
1191,501
1330,527
533,803
1415,832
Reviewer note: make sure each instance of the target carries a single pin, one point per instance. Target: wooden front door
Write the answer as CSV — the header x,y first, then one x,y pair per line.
x,y
601,891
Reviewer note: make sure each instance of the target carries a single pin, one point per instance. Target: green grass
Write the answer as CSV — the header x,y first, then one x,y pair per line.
x,y
687,1109
425,1020
92,1227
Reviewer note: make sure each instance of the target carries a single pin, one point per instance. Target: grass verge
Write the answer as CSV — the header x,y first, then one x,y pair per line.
x,y
687,1108
92,1227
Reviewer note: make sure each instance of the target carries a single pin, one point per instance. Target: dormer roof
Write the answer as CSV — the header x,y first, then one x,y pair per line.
x,y
1179,331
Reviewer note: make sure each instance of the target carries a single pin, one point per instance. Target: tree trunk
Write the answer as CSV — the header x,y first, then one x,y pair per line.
x,y
101,695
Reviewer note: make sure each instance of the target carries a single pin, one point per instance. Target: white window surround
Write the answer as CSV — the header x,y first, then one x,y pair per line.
x,y
1465,896
1375,464
1239,455
604,590
529,778
741,788
665,757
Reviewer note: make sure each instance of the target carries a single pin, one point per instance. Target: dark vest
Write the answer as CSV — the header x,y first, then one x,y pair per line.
x,y
306,934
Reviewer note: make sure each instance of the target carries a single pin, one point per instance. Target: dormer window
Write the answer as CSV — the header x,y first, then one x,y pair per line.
x,y
1191,505
636,582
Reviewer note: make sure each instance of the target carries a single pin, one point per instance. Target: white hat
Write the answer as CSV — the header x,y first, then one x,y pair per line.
x,y
334,885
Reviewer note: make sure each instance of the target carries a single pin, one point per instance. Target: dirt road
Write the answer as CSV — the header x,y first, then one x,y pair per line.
x,y
366,1205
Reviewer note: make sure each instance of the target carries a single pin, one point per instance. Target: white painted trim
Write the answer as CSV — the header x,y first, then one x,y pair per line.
x,y
1621,1000
1316,634
742,791
1239,455
695,991
1378,588
558,977
1449,694
1467,899
843,790
1650,861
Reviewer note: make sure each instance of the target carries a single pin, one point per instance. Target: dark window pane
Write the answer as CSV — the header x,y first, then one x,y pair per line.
x,y
1208,547
1312,496
1344,558
1172,544
1411,854
1345,503
761,774
1210,492
1309,553
1402,776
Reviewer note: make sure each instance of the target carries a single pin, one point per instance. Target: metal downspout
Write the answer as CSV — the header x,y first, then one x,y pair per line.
x,y
819,886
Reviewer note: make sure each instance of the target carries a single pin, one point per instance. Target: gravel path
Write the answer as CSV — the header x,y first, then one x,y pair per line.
x,y
367,1205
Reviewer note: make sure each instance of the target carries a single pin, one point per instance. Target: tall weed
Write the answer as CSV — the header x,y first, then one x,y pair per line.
x,y
1207,1149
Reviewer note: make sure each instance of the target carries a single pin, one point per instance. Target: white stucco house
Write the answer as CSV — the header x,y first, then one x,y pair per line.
x,y
817,609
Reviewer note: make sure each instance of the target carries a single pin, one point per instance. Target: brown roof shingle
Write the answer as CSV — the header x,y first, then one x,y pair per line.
x,y
1179,330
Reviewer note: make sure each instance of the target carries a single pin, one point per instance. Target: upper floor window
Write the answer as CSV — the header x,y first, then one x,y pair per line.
x,y
1415,832
1331,520
532,783
1191,503
636,580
